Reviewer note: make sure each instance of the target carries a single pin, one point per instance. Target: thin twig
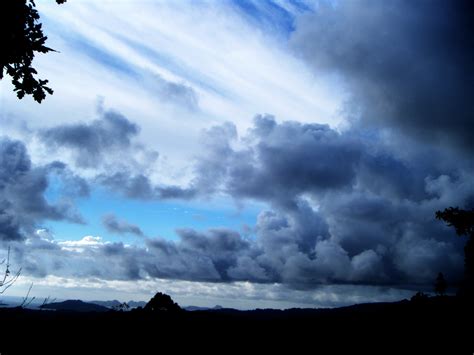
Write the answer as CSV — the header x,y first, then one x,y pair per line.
x,y
27,296
47,301
6,285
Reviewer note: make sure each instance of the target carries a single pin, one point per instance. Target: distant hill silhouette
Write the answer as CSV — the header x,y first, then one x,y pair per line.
x,y
76,306
198,308
108,304
195,308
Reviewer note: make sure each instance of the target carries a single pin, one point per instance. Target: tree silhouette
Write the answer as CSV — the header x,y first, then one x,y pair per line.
x,y
21,36
419,298
8,278
440,285
161,302
463,222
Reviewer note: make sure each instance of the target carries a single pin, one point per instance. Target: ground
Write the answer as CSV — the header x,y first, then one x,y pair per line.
x,y
436,325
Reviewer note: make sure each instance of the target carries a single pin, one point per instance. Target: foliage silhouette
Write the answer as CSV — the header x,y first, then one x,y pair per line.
x,y
441,285
22,36
463,222
161,302
419,297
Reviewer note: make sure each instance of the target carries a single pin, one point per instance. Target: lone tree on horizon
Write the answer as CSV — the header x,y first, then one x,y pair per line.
x,y
161,302
440,285
463,222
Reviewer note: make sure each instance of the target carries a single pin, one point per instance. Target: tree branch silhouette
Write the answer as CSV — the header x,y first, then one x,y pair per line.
x,y
8,278
21,37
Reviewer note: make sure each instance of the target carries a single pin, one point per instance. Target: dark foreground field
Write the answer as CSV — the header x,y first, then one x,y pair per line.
x,y
437,325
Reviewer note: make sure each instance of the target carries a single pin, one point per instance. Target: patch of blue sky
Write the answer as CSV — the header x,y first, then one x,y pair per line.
x,y
270,15
300,5
155,218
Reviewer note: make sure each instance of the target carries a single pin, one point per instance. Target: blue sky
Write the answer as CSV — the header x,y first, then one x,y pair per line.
x,y
155,218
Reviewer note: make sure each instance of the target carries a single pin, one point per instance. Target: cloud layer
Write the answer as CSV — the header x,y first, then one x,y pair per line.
x,y
342,209
92,141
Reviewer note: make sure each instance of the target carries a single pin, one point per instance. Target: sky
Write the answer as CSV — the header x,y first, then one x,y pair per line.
x,y
249,154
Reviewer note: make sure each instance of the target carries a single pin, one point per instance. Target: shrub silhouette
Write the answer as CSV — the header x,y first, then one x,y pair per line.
x,y
161,302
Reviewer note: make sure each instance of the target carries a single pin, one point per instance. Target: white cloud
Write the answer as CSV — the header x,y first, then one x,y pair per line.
x,y
82,244
45,234
236,70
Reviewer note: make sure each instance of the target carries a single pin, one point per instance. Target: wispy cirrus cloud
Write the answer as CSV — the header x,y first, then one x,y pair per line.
x,y
228,68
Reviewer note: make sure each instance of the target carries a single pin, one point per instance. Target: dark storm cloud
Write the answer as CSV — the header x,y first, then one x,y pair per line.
x,y
200,256
408,64
118,226
139,186
345,206
281,162
22,192
222,246
110,133
342,207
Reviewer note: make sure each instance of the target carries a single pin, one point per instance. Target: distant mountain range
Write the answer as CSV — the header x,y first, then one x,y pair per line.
x,y
93,306
116,303
197,308
90,306
104,306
